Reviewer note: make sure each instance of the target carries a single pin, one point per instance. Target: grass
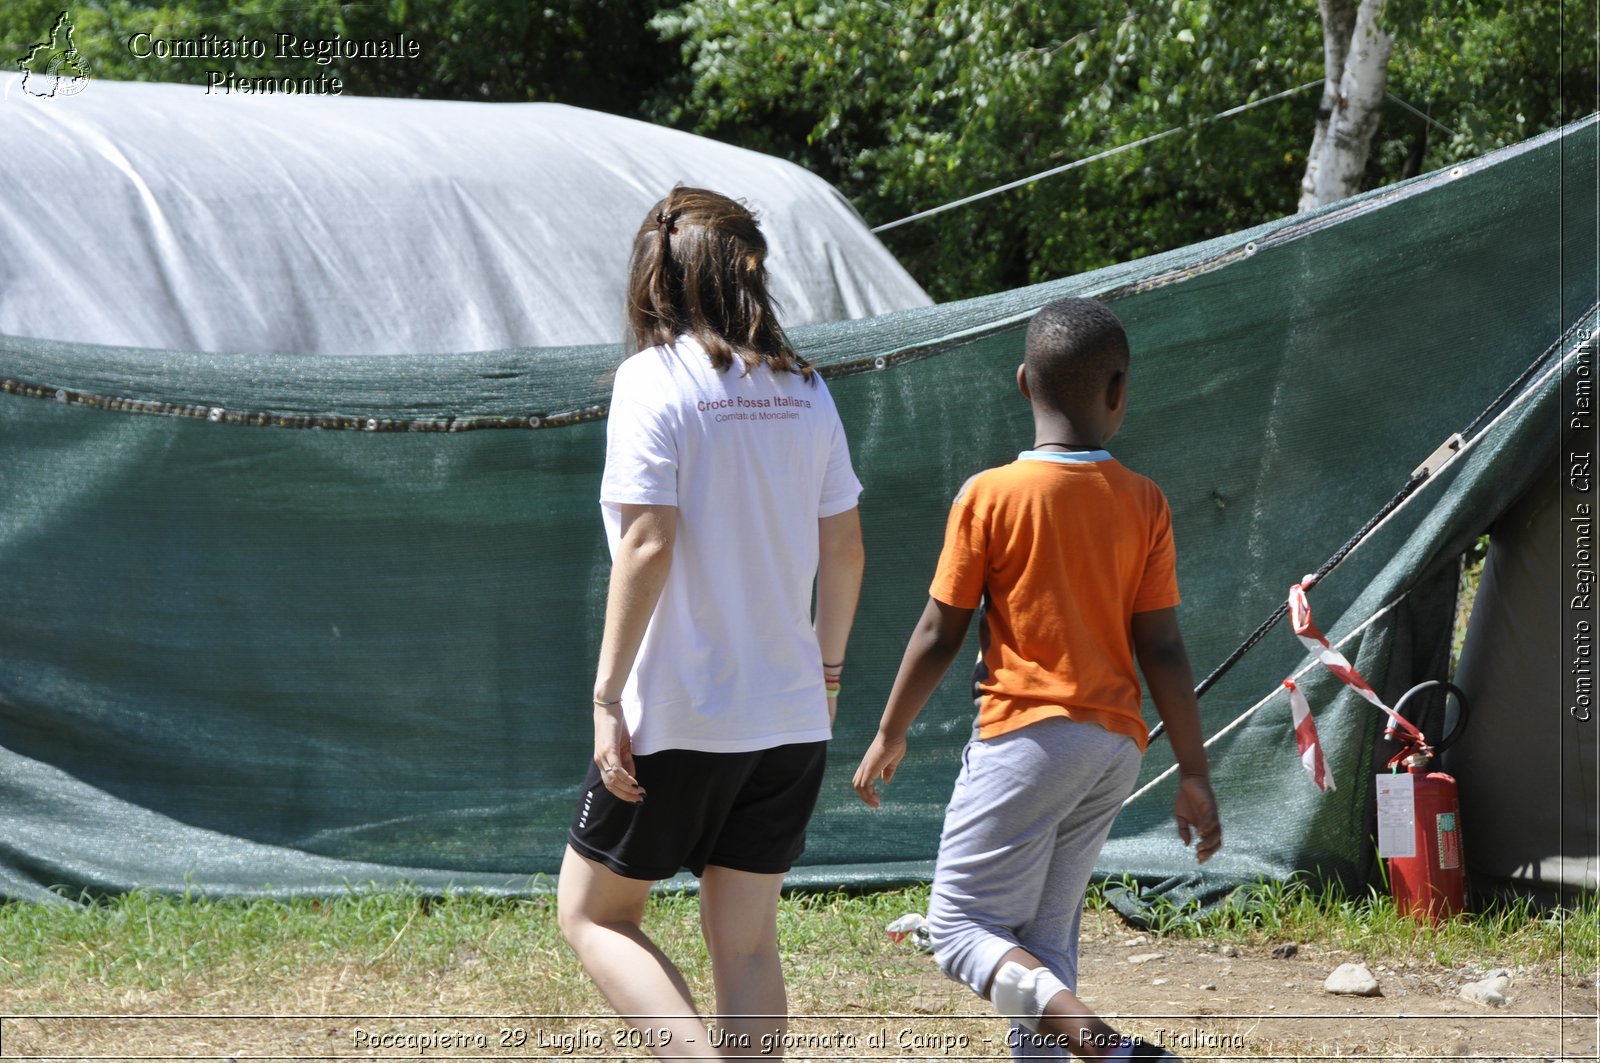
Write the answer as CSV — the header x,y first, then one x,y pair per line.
x,y
205,952
193,976
1297,911
202,949
147,976
141,941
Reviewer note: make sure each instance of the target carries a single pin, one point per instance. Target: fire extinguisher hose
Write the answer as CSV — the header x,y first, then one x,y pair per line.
x,y
1451,690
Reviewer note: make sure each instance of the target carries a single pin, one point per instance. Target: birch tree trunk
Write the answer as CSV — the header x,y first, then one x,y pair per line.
x,y
1355,58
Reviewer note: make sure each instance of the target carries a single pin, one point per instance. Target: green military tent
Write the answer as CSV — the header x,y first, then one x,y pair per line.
x,y
286,621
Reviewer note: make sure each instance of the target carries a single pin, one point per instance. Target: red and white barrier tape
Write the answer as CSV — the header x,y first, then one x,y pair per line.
x,y
1304,729
1305,738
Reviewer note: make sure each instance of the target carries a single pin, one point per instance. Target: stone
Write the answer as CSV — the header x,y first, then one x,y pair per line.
x,y
1146,957
1489,990
1479,993
1285,951
1352,980
1229,951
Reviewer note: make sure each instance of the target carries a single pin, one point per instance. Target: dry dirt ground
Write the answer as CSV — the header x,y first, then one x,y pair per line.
x,y
1195,996
1246,1003
1254,1004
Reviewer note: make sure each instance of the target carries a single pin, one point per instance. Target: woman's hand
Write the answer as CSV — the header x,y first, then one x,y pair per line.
x,y
613,754
638,572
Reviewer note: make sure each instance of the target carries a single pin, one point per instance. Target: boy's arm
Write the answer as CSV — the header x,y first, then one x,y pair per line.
x,y
933,645
1165,663
840,561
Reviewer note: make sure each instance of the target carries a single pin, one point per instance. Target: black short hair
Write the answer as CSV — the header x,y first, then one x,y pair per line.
x,y
1074,347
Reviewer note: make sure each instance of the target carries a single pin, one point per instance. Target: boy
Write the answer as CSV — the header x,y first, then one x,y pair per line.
x,y
1069,555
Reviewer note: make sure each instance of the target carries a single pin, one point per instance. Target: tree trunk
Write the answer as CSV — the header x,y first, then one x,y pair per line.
x,y
1355,53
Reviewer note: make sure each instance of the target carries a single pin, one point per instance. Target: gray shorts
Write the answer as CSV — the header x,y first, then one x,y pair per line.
x,y
1030,811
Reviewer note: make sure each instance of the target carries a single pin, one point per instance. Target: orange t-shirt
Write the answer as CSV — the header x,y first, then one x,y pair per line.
x,y
1060,550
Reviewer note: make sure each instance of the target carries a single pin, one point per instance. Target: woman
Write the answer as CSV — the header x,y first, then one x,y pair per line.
x,y
727,491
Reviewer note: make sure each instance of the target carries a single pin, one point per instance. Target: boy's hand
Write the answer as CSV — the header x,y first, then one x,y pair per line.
x,y
1195,809
882,757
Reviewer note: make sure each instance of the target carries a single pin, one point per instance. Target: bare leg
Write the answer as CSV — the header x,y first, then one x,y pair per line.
x,y
739,917
1067,1018
600,913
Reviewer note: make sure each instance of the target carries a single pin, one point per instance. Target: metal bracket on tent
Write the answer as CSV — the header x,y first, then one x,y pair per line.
x,y
1436,460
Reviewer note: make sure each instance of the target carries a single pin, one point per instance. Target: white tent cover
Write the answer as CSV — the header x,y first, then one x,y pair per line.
x,y
154,215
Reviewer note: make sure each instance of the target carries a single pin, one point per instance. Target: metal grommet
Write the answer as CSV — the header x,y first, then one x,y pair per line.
x,y
1250,248
535,421
61,395
372,424
1456,171
880,362
215,414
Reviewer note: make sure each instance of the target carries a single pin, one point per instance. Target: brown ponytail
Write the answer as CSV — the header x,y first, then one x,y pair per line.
x,y
699,269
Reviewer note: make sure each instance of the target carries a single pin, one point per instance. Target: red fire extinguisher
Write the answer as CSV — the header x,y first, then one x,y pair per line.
x,y
1432,884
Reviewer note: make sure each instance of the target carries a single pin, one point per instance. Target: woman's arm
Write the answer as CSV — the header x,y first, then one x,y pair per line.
x,y
638,572
841,558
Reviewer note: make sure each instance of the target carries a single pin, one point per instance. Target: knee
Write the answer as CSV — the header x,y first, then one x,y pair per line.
x,y
954,946
569,922
1022,994
740,944
577,918
970,952
944,955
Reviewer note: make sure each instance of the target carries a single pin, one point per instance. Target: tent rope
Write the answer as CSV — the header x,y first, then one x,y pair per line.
x,y
1423,115
1253,709
1471,435
1073,165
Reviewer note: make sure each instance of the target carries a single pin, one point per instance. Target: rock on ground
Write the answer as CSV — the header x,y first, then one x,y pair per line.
x,y
1490,989
1353,980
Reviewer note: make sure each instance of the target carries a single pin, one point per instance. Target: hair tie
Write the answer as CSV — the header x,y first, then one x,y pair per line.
x,y
666,222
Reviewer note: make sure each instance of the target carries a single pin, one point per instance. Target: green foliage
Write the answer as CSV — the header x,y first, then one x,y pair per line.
x,y
910,106
1472,563
906,107
588,53
1491,73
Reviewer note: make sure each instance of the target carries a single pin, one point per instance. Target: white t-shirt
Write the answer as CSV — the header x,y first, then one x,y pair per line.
x,y
729,662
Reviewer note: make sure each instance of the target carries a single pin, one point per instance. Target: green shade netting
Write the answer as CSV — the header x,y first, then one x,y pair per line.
x,y
292,624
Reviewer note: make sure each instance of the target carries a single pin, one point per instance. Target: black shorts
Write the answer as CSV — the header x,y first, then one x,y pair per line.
x,y
742,811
